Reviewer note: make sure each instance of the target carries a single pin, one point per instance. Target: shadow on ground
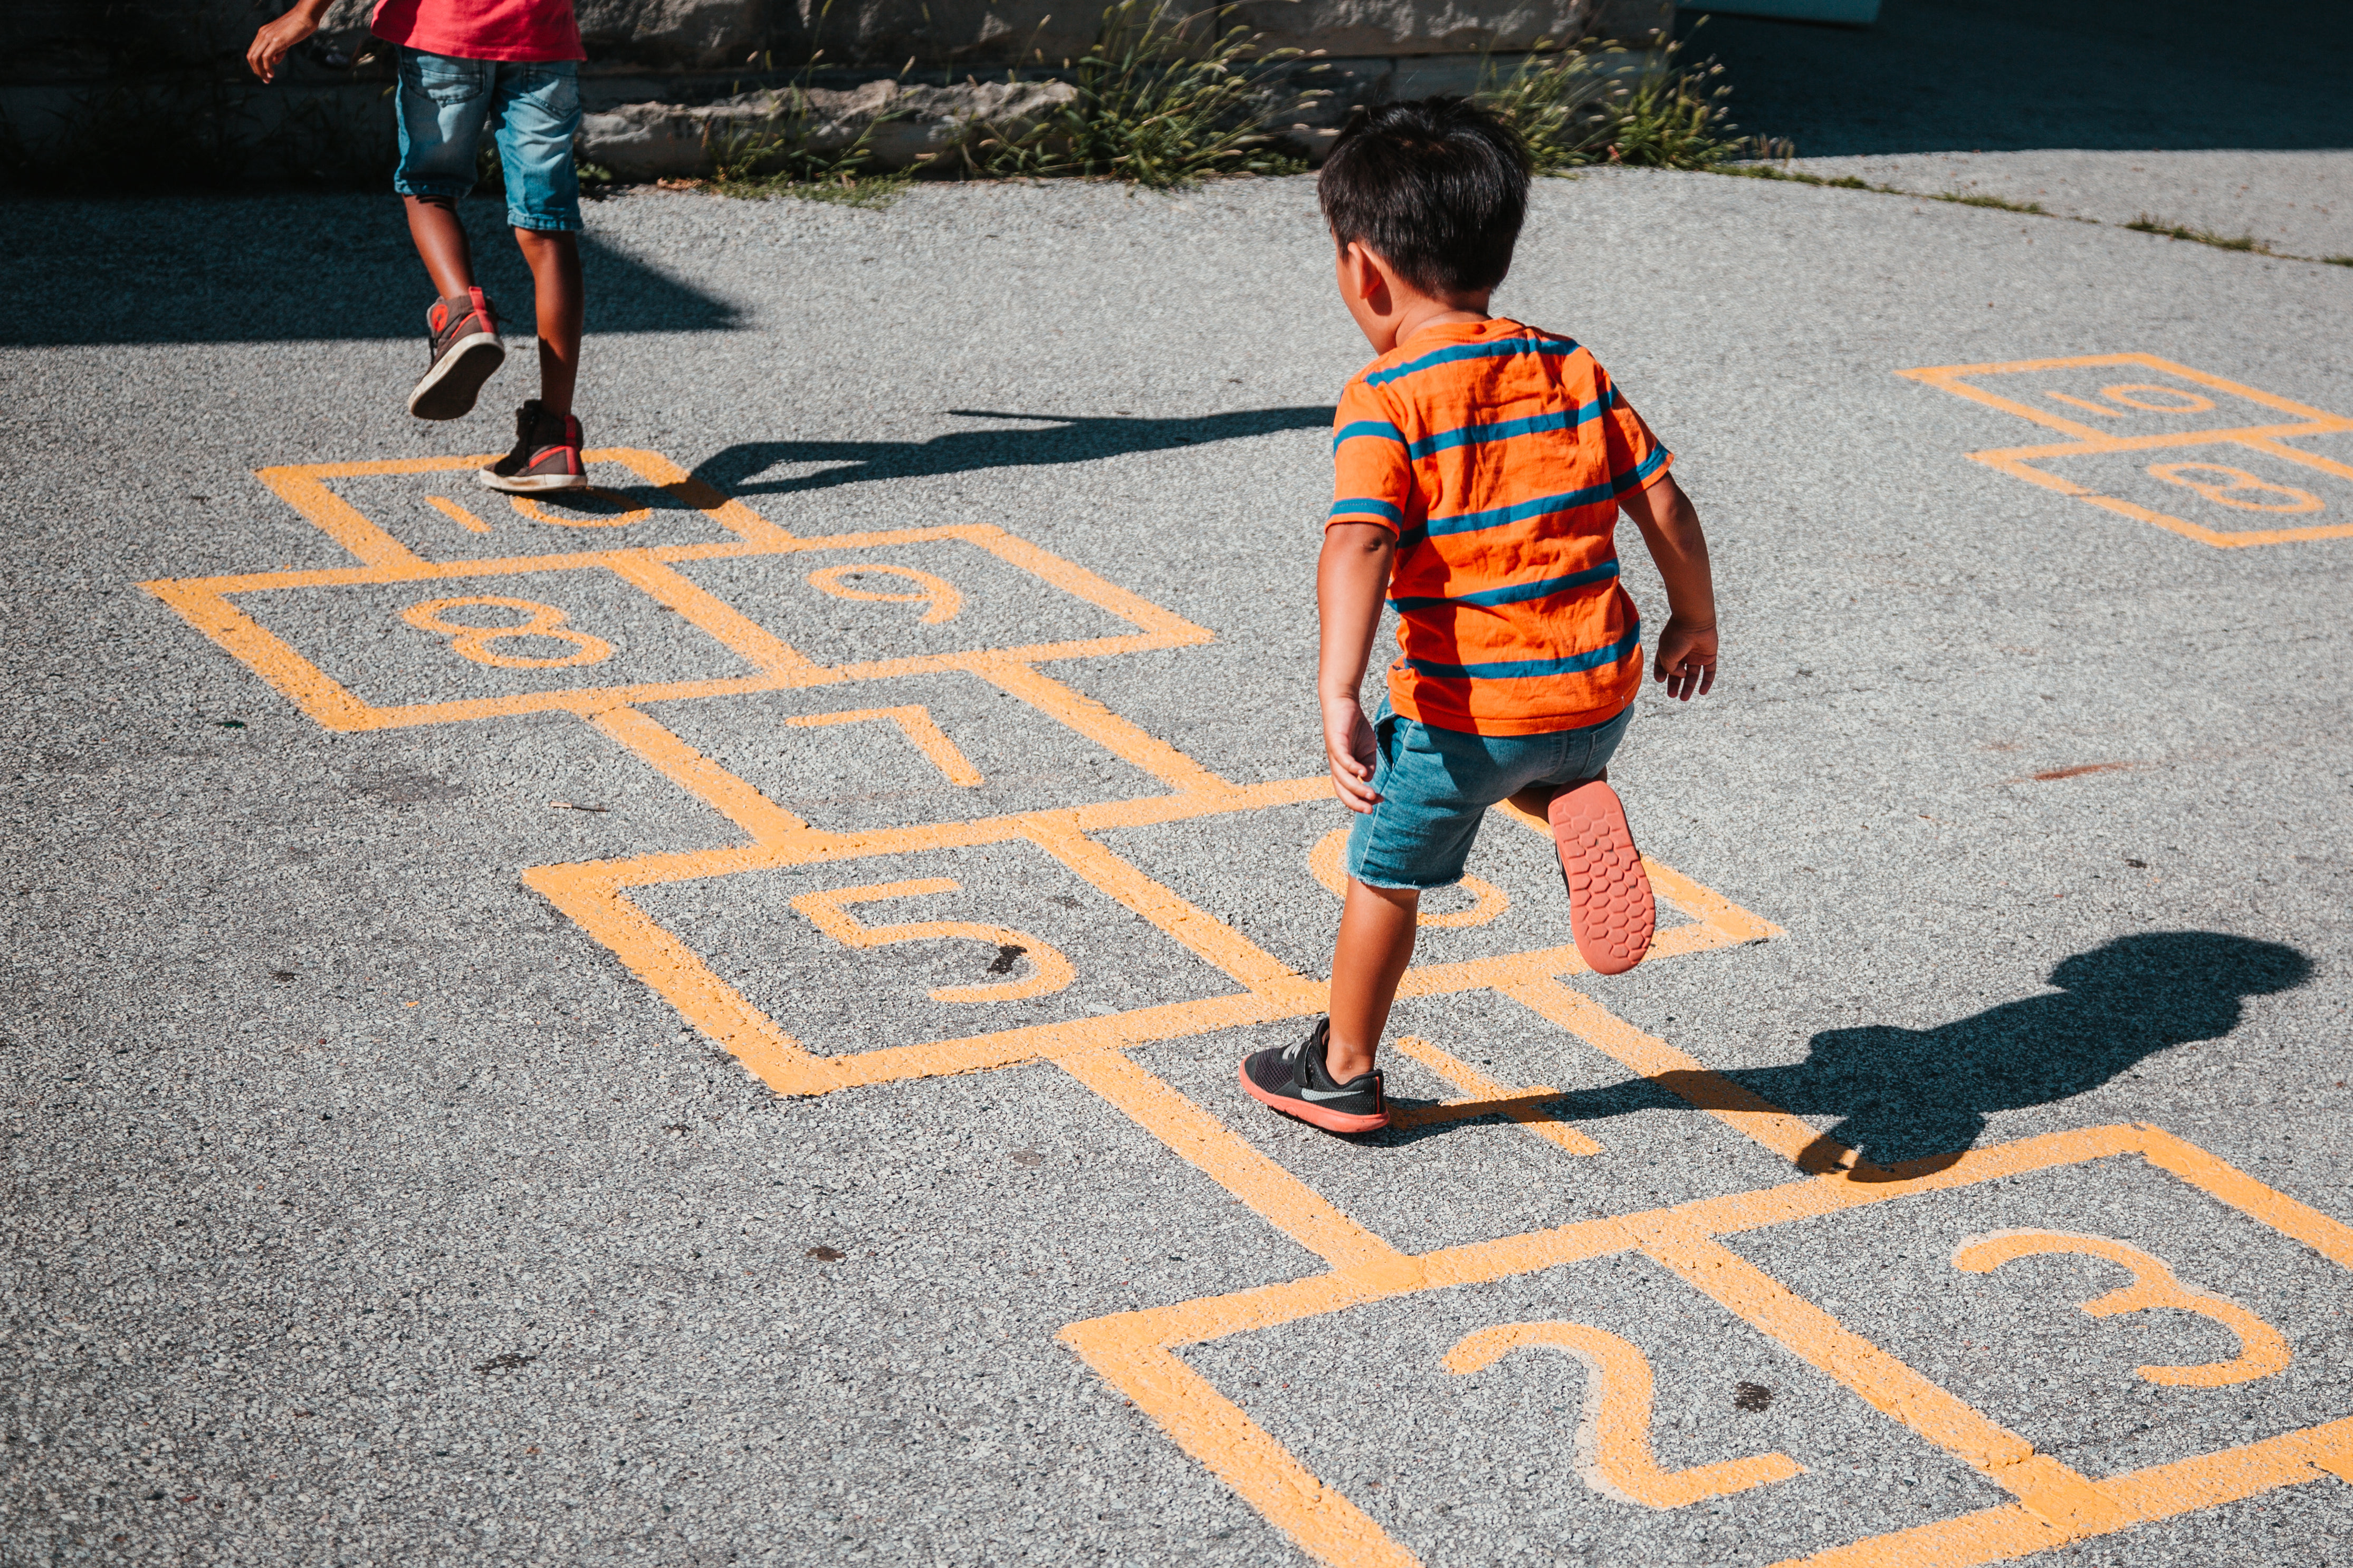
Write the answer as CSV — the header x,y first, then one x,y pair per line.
x,y
222,269
1921,1097
1043,439
1942,76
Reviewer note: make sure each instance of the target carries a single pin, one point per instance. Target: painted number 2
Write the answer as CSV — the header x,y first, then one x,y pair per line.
x,y
1613,1439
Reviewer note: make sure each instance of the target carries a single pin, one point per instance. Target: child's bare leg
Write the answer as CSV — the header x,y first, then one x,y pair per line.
x,y
1377,930
441,241
555,258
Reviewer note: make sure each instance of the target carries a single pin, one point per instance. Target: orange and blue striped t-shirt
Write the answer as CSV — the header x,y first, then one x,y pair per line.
x,y
1497,454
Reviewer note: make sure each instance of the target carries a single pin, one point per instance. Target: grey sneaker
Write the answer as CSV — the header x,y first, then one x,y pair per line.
x,y
462,332
1294,1081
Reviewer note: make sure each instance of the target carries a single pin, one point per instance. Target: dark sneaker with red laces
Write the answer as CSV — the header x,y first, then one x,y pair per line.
x,y
546,455
463,334
1294,1081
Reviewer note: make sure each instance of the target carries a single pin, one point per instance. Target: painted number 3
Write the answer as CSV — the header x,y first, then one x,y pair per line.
x,y
2230,486
476,642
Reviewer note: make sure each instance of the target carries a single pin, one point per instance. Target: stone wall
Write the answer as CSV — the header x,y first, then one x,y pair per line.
x,y
660,70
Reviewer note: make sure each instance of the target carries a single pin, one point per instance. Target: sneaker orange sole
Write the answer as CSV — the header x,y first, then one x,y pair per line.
x,y
1312,1114
1611,910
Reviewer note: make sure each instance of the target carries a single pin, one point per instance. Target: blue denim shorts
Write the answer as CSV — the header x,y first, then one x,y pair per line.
x,y
536,107
1437,784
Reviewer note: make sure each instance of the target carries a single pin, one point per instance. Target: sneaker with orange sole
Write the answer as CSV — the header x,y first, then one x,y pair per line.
x,y
1611,910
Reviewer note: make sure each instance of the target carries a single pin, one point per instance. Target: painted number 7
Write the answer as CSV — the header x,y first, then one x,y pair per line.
x,y
1048,969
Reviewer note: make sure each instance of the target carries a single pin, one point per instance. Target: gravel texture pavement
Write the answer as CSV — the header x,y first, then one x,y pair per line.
x,y
466,1100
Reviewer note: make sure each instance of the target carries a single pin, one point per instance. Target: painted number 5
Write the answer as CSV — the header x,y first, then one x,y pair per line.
x,y
1048,969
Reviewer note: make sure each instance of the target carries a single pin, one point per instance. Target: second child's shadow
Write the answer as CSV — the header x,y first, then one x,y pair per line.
x,y
1921,1097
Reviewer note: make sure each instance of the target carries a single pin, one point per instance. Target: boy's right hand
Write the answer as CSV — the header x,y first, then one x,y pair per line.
x,y
1349,748
275,39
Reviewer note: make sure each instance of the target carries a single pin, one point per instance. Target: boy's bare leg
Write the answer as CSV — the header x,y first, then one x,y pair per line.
x,y
555,258
441,241
1376,931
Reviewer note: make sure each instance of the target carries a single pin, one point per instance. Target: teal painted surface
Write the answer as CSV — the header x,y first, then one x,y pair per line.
x,y
1857,13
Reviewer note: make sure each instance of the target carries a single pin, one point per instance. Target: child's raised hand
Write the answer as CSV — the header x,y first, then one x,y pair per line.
x,y
1686,659
1348,747
271,43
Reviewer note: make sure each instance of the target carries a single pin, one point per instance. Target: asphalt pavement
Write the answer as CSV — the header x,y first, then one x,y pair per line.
x,y
698,1026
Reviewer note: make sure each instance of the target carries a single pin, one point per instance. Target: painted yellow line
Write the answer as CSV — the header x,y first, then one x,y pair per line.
x,y
1752,1115
679,972
1319,1520
915,722
1132,1351
2140,1497
1197,931
1484,1096
457,514
1202,1141
2047,1488
746,807
738,632
1119,737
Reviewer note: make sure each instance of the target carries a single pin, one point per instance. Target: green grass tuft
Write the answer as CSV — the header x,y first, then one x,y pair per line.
x,y
1164,99
2145,223
1601,103
1974,199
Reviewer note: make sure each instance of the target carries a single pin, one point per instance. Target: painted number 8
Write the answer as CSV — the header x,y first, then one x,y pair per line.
x,y
2223,486
474,642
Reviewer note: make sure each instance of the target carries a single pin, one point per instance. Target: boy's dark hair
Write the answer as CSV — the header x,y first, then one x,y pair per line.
x,y
1437,188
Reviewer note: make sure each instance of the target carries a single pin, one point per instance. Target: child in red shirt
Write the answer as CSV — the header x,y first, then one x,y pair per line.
x,y
464,64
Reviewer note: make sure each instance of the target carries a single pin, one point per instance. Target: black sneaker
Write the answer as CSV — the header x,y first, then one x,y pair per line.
x,y
463,333
1293,1080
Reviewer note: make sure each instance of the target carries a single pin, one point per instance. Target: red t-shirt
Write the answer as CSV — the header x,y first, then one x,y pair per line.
x,y
482,29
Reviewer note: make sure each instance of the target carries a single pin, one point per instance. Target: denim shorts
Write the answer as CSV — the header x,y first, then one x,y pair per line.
x,y
1437,784
534,104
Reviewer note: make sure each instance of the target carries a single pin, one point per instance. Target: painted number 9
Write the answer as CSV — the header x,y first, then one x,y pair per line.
x,y
940,601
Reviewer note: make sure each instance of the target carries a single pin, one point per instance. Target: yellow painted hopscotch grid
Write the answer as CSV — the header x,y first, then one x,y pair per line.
x,y
1136,1350
2235,490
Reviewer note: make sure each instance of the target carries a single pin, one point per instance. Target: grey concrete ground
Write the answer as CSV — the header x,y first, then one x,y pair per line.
x,y
2300,203
363,1209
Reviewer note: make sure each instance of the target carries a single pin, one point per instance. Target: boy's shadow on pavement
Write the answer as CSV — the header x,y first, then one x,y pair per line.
x,y
1053,438
1921,1097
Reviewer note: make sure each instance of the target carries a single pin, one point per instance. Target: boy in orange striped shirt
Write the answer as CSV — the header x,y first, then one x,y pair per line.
x,y
1479,466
